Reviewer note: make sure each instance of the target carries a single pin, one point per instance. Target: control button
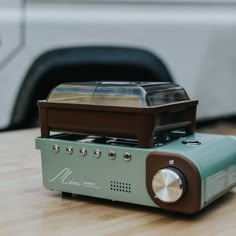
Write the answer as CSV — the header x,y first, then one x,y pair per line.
x,y
112,155
83,152
69,150
191,142
168,184
56,148
127,156
97,153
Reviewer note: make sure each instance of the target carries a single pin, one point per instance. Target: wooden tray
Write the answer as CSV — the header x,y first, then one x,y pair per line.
x,y
127,122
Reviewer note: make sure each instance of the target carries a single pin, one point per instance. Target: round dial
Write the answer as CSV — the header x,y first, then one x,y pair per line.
x,y
168,184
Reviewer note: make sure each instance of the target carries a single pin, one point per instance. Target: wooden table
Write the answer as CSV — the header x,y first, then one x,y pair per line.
x,y
26,208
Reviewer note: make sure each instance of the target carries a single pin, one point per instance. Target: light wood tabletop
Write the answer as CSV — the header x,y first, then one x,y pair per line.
x,y
26,208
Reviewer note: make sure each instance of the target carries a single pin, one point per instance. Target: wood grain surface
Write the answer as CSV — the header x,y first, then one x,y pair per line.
x,y
26,208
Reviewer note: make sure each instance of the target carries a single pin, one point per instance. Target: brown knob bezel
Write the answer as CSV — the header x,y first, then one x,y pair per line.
x,y
190,201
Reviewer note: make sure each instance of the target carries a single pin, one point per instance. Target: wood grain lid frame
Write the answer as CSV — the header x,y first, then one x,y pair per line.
x,y
127,122
190,202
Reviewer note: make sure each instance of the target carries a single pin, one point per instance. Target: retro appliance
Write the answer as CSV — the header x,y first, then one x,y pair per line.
x,y
133,142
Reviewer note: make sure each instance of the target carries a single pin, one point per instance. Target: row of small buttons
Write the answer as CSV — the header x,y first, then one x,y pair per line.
x,y
97,153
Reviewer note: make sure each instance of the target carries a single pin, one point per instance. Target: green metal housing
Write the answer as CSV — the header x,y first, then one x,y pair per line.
x,y
121,180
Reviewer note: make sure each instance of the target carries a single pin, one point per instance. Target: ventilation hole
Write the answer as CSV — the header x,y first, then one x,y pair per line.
x,y
120,186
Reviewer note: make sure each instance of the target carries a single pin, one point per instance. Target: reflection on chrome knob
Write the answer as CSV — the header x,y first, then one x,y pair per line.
x,y
168,184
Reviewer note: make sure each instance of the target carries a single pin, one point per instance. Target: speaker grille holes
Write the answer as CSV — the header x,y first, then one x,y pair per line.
x,y
120,187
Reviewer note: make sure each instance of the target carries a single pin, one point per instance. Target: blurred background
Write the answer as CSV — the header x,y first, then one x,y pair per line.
x,y
189,42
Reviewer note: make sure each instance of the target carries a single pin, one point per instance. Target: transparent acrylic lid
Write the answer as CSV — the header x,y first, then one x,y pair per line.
x,y
128,94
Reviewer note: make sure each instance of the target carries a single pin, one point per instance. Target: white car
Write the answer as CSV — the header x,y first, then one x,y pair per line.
x,y
46,42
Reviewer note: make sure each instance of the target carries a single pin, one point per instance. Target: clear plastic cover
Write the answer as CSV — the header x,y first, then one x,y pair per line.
x,y
129,94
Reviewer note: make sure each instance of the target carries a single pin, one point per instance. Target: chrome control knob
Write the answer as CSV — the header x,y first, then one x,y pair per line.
x,y
168,184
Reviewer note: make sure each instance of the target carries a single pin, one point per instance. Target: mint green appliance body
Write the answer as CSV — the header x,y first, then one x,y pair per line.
x,y
118,179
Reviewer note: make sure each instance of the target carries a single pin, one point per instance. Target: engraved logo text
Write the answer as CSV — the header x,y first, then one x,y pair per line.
x,y
65,177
